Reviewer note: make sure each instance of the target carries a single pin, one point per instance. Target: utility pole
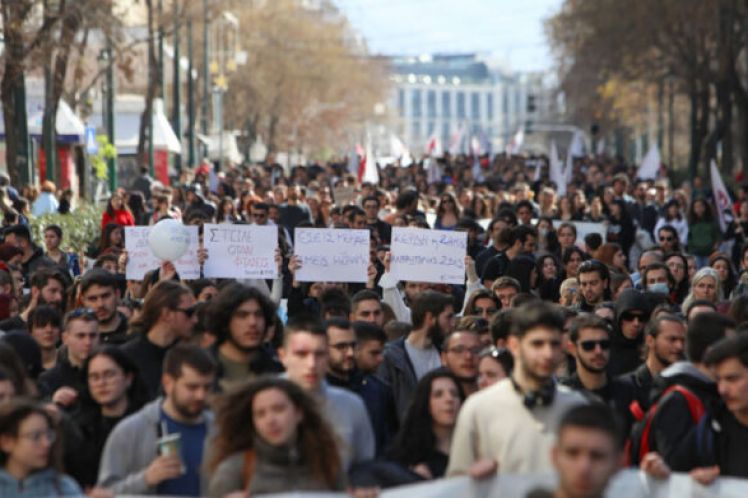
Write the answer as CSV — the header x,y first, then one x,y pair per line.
x,y
205,103
191,99
176,93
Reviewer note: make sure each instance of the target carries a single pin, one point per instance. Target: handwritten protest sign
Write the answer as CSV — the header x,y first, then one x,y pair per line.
x,y
240,251
332,255
344,194
141,260
428,255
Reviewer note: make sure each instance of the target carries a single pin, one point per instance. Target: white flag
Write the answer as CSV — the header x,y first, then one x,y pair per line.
x,y
577,147
433,146
515,143
601,147
650,164
455,141
721,197
431,166
555,169
475,151
369,171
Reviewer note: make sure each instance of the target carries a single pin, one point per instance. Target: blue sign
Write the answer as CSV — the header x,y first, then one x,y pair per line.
x,y
92,146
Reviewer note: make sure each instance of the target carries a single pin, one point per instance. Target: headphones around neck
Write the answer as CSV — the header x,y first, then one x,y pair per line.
x,y
542,397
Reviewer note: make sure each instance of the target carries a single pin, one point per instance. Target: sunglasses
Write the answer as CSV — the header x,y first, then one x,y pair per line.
x,y
80,313
187,311
479,311
667,239
590,346
631,317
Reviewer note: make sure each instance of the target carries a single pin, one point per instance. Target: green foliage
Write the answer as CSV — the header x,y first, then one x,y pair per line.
x,y
79,229
99,161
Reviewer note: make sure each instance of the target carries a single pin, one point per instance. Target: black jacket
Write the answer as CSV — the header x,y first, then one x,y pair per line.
x,y
149,359
672,421
641,382
397,371
63,374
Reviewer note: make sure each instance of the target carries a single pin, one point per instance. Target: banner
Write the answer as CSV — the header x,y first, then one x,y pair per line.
x,y
140,259
332,254
626,484
421,255
240,251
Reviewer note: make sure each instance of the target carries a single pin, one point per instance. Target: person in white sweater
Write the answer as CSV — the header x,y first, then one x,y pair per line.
x,y
511,426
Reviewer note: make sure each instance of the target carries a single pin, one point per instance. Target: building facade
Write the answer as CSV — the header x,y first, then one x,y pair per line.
x,y
457,97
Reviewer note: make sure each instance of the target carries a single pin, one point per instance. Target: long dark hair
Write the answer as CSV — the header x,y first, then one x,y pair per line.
x,y
106,234
236,431
110,208
12,415
708,213
137,393
416,439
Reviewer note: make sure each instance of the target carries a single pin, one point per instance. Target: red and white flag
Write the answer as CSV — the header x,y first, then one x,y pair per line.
x,y
515,143
367,168
455,141
433,146
721,197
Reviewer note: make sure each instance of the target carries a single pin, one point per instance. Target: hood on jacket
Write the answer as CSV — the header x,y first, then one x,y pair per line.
x,y
684,373
631,300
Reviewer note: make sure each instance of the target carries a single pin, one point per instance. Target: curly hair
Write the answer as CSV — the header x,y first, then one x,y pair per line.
x,y
317,442
229,298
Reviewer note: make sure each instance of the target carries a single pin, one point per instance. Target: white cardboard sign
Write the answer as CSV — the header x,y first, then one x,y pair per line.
x,y
240,251
140,259
332,255
421,255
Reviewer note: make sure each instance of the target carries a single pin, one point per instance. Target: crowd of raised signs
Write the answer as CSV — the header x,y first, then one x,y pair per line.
x,y
467,326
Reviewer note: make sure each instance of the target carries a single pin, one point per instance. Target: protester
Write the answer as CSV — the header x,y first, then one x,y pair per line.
x,y
494,364
423,443
530,402
136,458
272,438
29,453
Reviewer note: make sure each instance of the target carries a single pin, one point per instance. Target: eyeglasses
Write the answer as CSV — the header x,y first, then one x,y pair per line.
x,y
259,215
592,345
36,436
460,350
630,317
187,311
344,346
479,311
107,375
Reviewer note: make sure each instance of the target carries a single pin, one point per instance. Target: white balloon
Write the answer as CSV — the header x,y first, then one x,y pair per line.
x,y
168,240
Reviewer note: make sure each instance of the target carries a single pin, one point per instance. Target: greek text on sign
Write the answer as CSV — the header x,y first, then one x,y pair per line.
x,y
421,255
240,251
140,259
332,255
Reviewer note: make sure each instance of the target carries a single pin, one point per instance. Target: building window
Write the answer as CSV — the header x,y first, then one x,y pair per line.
x,y
475,105
461,105
415,130
505,101
431,129
518,101
446,104
401,102
431,103
489,106
416,103
445,135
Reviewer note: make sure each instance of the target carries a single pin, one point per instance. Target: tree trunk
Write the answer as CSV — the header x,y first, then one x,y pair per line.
x,y
153,85
693,160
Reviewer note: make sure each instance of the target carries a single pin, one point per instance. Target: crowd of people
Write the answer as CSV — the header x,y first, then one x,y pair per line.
x,y
559,353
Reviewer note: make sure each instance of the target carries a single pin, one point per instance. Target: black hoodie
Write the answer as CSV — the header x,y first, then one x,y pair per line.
x,y
672,421
625,353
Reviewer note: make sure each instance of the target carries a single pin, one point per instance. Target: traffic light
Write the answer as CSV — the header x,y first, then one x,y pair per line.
x,y
531,106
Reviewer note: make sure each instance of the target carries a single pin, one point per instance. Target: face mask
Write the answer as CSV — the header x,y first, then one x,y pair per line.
x,y
542,232
659,288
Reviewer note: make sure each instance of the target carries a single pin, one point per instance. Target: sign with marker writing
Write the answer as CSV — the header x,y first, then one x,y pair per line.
x,y
240,251
421,255
140,259
332,255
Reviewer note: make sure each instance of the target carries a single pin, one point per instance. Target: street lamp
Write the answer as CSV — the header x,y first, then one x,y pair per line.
x,y
224,42
107,108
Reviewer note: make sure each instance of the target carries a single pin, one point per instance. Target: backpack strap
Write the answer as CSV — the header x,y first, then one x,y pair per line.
x,y
250,458
695,408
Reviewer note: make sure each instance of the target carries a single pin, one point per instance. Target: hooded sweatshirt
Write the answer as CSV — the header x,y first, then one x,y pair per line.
x,y
672,422
625,353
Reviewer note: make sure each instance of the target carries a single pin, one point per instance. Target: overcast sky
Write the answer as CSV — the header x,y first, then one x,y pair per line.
x,y
509,29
